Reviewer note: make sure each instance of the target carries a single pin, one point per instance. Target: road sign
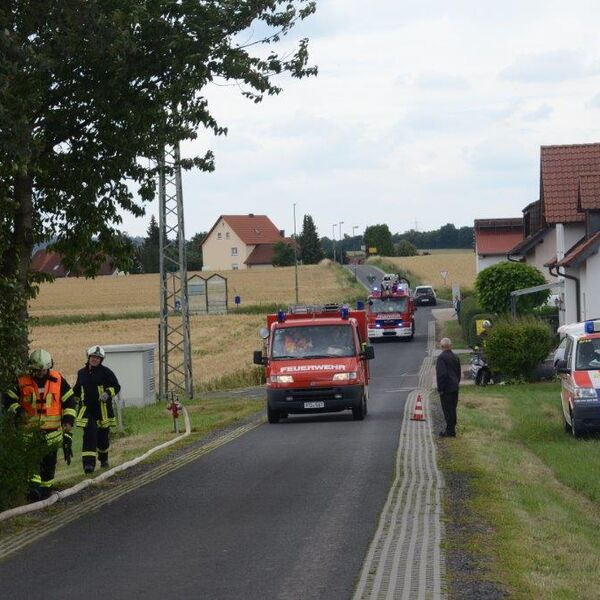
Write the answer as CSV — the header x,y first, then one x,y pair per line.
x,y
372,250
444,275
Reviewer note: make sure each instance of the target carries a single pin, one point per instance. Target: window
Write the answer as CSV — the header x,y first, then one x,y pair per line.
x,y
235,266
227,235
219,236
234,252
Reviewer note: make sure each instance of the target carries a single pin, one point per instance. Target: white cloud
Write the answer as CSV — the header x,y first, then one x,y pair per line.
x,y
408,119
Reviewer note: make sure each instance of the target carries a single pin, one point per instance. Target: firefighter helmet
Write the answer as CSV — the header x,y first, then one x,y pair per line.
x,y
96,351
486,325
40,360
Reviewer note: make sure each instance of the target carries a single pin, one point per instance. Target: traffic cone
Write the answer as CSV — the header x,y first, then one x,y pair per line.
x,y
418,414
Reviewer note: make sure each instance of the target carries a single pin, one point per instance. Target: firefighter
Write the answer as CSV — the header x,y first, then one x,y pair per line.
x,y
43,397
95,387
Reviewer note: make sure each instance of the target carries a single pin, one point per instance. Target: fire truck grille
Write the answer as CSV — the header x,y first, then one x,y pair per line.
x,y
313,394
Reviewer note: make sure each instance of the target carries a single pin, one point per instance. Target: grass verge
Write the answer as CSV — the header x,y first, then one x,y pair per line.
x,y
452,329
536,487
149,426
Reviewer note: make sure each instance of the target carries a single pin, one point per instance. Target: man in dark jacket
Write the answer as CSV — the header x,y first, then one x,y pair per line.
x,y
448,372
96,386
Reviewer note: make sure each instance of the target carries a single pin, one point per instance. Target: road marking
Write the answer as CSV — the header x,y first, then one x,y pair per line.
x,y
17,541
404,559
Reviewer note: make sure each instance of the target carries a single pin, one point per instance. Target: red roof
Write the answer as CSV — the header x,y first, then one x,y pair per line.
x,y
496,242
251,229
510,223
46,261
561,168
261,255
589,191
581,251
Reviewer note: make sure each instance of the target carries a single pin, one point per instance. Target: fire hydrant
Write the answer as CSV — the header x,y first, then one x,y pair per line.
x,y
175,407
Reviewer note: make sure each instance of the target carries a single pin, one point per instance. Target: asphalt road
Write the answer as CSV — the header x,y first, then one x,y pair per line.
x,y
285,511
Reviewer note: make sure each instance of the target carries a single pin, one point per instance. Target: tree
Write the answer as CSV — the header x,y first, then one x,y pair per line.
x,y
379,237
309,244
149,252
87,88
194,252
283,255
495,284
405,248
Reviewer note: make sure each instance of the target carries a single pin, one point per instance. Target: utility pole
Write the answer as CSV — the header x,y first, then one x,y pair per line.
x,y
342,241
295,254
353,228
175,356
333,239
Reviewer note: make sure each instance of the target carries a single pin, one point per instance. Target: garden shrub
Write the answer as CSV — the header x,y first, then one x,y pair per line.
x,y
494,285
20,454
515,347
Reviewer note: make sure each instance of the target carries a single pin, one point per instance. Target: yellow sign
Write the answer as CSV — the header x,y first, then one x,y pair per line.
x,y
479,329
372,250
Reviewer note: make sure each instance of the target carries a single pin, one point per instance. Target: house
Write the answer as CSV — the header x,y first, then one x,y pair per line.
x,y
51,263
494,238
562,229
241,242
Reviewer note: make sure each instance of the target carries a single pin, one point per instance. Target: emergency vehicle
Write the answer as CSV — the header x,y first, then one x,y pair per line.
x,y
391,312
579,372
316,360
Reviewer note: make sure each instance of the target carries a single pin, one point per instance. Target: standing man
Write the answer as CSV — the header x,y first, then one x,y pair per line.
x,y
95,387
43,397
448,373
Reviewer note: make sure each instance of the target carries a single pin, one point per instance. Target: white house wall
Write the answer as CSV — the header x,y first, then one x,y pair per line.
x,y
483,262
217,252
589,276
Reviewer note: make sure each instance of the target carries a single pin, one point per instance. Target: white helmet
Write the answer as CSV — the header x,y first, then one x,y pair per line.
x,y
96,351
40,360
487,324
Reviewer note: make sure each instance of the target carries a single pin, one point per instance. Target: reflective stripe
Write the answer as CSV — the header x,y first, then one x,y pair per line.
x,y
47,484
103,412
81,420
12,394
111,391
36,479
52,422
54,437
69,412
49,399
14,407
88,453
67,395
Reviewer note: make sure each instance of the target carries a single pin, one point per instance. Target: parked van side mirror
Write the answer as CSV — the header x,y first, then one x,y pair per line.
x,y
258,358
368,353
562,367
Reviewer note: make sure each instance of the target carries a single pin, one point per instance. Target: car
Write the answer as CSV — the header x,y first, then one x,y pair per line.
x,y
425,294
579,372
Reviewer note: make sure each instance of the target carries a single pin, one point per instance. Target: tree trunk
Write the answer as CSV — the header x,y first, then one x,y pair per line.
x,y
22,248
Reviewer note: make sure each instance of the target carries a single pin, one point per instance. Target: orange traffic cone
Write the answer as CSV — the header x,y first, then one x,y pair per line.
x,y
418,414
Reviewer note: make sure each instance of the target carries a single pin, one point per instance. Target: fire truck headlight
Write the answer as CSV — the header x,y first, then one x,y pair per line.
x,y
585,395
282,379
344,376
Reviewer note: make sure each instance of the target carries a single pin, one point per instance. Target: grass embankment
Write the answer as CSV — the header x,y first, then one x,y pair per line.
x,y
536,487
452,329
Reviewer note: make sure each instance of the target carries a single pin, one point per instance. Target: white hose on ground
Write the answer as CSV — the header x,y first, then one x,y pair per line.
x,y
22,510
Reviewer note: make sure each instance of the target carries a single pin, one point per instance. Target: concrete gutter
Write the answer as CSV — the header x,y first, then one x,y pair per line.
x,y
56,496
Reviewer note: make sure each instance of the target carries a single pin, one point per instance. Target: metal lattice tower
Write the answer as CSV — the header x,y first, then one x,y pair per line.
x,y
175,357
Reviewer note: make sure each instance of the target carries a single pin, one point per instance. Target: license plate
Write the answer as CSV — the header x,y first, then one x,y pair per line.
x,y
314,405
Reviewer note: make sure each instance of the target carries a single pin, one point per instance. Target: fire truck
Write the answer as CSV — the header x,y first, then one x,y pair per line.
x,y
391,311
316,360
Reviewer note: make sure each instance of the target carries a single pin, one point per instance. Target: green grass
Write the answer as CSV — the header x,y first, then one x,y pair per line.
x,y
536,488
453,330
53,320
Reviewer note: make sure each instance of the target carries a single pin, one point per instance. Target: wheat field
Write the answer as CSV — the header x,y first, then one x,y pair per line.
x,y
460,267
141,293
222,345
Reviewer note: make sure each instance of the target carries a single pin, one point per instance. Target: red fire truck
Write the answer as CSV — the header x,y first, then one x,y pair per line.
x,y
316,360
391,312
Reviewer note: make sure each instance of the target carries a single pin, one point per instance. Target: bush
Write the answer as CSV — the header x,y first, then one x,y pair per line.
x,y
20,455
494,285
405,248
515,347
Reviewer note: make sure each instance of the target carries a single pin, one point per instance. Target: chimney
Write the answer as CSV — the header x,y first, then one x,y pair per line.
x,y
282,232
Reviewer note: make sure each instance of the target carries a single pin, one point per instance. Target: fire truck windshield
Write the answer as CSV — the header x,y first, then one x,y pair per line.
x,y
318,341
389,305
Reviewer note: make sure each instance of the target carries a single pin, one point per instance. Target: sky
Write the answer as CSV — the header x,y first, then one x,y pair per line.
x,y
424,112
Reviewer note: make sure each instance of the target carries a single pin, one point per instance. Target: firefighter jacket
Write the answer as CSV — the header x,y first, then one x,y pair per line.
x,y
50,401
91,384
